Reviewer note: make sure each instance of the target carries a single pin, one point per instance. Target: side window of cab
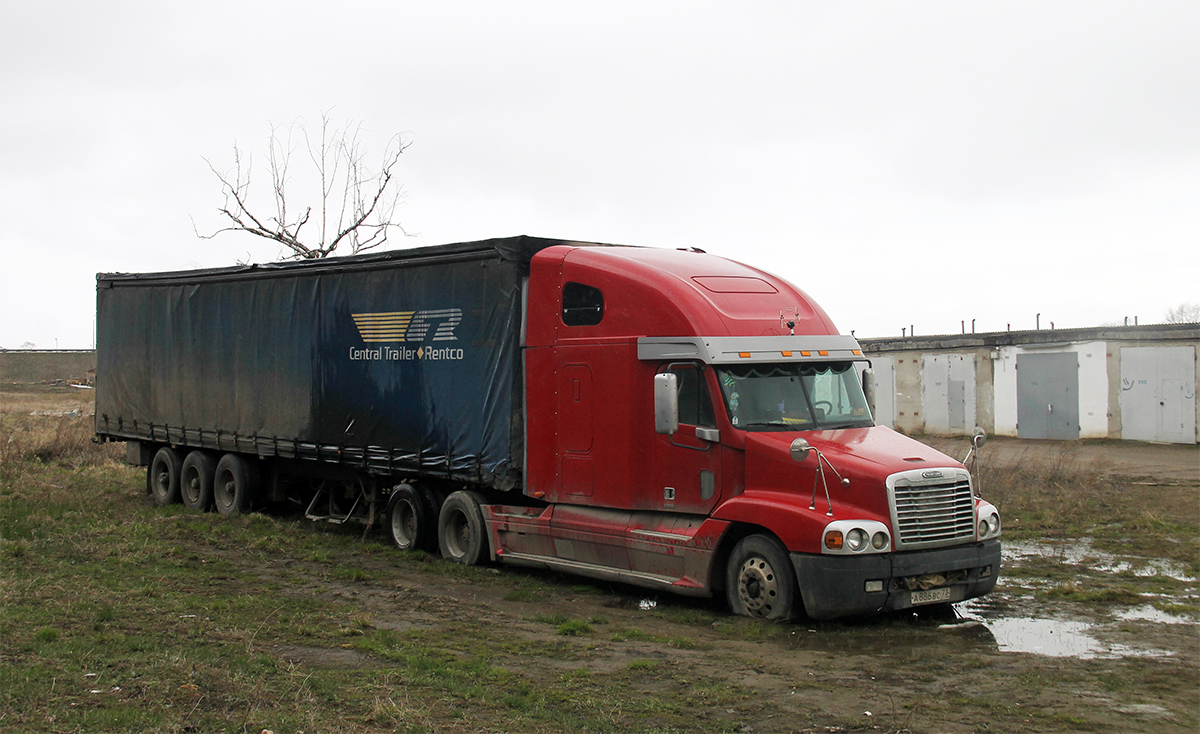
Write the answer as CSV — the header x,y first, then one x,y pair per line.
x,y
695,403
582,305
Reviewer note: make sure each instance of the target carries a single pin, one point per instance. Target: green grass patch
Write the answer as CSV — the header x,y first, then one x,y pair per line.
x,y
573,627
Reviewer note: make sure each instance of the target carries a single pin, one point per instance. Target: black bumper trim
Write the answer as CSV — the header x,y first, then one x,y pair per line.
x,y
834,586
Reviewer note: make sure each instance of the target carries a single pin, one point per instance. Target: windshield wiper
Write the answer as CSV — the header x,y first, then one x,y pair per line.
x,y
845,424
794,425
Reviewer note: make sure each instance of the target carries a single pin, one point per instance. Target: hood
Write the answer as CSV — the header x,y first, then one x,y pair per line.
x,y
865,456
876,450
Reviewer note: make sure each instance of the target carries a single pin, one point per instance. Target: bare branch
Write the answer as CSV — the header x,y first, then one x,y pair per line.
x,y
355,207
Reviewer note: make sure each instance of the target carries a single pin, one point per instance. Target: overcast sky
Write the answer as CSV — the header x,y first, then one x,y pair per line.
x,y
907,164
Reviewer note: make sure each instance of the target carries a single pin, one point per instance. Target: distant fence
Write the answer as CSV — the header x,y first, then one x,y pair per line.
x,y
47,365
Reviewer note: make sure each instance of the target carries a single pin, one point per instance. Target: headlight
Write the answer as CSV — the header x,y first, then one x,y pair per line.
x,y
856,536
989,526
856,539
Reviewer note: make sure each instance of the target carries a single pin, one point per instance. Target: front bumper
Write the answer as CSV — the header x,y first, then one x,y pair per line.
x,y
835,586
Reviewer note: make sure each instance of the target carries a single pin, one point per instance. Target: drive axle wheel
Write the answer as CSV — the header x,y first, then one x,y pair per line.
x,y
411,522
461,529
759,580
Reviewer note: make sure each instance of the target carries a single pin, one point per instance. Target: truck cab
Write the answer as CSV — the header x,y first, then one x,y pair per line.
x,y
697,424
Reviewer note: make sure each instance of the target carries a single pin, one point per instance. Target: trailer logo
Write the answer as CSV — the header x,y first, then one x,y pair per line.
x,y
400,327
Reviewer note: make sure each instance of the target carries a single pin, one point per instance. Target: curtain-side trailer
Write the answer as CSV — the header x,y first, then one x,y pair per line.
x,y
663,418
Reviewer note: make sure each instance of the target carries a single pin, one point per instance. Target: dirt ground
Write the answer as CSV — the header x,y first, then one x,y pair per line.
x,y
907,673
900,674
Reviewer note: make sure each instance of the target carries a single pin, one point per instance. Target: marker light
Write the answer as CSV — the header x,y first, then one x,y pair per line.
x,y
744,355
786,354
823,352
805,354
857,352
833,540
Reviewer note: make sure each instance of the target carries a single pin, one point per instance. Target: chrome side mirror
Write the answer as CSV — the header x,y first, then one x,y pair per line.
x,y
978,437
666,403
800,449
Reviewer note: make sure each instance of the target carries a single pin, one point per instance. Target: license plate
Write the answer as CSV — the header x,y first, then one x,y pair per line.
x,y
931,595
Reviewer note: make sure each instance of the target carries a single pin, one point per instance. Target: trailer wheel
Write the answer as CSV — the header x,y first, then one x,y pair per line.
x,y
460,528
411,522
759,580
164,476
196,486
235,484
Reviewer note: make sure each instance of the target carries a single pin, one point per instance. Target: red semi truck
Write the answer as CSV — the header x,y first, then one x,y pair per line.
x,y
662,418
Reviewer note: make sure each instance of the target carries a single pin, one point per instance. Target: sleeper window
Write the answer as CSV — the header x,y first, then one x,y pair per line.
x,y
583,305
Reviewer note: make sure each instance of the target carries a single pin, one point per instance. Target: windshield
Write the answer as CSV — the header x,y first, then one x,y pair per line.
x,y
794,397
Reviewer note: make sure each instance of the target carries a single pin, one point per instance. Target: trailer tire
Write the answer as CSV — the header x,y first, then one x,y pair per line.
x,y
163,476
235,484
461,528
412,523
759,580
196,480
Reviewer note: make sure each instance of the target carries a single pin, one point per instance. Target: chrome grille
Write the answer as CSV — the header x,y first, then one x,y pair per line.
x,y
930,512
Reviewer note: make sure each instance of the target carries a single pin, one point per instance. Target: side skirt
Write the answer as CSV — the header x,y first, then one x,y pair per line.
x,y
649,549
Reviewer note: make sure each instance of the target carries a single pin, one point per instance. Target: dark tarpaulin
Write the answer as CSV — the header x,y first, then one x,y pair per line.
x,y
400,361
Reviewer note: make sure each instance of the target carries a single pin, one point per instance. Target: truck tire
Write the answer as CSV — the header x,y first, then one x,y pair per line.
x,y
461,529
164,476
759,580
411,521
235,484
196,480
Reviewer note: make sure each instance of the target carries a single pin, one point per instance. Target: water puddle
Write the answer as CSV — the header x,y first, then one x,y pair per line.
x,y
1082,551
1061,638
1147,613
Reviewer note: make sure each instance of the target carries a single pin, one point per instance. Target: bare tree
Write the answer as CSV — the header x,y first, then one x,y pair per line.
x,y
1184,313
354,206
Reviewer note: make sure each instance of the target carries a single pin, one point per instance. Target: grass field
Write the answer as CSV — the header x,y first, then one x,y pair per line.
x,y
117,615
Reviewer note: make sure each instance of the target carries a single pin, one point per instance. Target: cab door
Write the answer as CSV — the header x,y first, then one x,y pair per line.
x,y
687,464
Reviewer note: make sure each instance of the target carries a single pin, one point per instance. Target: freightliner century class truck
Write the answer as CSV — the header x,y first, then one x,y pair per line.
x,y
662,418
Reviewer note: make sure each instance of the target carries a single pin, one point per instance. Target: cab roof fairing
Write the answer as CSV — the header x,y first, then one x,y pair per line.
x,y
702,289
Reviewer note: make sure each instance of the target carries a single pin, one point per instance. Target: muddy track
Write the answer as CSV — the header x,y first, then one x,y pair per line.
x,y
902,673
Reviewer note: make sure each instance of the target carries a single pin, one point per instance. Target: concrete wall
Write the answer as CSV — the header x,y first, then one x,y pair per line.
x,y
44,365
921,367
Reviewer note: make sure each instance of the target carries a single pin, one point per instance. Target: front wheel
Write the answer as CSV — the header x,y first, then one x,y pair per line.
x,y
461,528
759,580
164,476
411,520
235,484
